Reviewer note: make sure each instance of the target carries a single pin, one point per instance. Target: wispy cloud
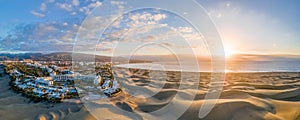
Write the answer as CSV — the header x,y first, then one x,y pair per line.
x,y
87,9
139,19
76,2
43,7
37,14
146,26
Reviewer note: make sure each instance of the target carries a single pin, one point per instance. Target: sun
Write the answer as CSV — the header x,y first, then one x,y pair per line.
x,y
228,51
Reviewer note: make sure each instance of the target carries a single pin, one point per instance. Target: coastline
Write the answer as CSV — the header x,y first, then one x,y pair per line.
x,y
186,69
209,72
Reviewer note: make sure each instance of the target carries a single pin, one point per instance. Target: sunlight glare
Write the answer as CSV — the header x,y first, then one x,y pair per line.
x,y
228,51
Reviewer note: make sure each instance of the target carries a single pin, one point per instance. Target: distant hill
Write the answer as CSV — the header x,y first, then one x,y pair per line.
x,y
59,56
67,56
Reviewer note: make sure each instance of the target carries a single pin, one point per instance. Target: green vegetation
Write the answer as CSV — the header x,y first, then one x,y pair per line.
x,y
8,68
30,70
25,69
110,84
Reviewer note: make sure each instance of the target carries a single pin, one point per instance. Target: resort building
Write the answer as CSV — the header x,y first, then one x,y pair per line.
x,y
44,81
16,73
43,87
63,77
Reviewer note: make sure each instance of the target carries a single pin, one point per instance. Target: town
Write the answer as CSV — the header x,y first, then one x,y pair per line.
x,y
42,81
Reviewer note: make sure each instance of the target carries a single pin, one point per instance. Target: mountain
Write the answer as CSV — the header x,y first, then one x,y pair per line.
x,y
67,56
61,56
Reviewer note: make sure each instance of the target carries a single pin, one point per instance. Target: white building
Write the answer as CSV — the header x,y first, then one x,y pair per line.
x,y
63,77
44,81
97,80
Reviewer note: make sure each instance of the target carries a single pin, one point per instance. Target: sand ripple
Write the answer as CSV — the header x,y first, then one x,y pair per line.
x,y
246,96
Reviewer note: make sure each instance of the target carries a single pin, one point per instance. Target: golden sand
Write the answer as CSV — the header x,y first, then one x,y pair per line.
x,y
245,96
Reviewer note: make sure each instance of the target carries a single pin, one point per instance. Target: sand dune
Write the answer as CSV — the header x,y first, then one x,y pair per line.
x,y
14,106
245,96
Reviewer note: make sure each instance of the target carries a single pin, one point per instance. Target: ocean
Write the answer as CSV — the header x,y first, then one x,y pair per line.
x,y
244,66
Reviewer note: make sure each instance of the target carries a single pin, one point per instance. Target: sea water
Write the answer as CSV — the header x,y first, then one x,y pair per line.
x,y
243,66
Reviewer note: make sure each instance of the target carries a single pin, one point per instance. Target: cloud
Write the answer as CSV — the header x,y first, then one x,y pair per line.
x,y
51,1
140,23
145,19
105,46
185,29
87,9
116,2
41,36
46,28
43,7
73,13
148,16
68,37
65,24
37,14
158,17
75,2
65,6
95,4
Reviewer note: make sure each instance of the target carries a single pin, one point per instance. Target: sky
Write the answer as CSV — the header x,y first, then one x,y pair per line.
x,y
245,26
257,26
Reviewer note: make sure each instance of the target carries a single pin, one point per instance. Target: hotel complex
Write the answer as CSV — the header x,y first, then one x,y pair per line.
x,y
53,83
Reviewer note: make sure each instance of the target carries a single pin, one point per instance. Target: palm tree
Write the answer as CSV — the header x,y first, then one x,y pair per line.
x,y
44,90
30,92
61,97
46,95
110,84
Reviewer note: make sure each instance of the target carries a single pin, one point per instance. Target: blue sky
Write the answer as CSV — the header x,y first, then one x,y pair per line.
x,y
246,26
258,26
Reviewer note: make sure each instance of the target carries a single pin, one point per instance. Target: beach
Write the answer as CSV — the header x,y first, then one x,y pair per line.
x,y
247,96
